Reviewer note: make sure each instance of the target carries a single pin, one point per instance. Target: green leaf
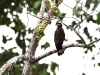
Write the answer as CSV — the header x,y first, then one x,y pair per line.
x,y
88,2
12,48
36,6
7,21
6,55
53,67
19,9
48,5
79,41
90,18
90,48
30,30
77,11
96,2
98,18
77,1
2,48
58,13
86,52
40,69
73,24
45,72
61,15
19,26
93,58
98,64
83,74
19,41
87,33
4,39
46,45
52,0
9,39
28,39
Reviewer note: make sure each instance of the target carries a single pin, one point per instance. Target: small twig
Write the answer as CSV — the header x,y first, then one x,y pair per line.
x,y
93,42
73,18
35,16
67,6
78,24
28,19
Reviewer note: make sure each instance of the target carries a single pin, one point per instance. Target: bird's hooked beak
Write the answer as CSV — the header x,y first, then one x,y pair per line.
x,y
58,24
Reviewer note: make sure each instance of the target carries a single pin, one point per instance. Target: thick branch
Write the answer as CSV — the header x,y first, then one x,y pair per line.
x,y
64,47
33,44
54,51
10,62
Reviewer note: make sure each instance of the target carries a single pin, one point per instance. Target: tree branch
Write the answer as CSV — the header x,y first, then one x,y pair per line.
x,y
73,18
33,44
93,42
54,51
35,16
77,34
10,62
64,47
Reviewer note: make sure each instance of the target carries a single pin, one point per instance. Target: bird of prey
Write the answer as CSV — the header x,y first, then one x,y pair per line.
x,y
59,37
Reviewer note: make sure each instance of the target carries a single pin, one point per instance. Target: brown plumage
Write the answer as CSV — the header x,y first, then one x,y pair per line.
x,y
59,37
56,1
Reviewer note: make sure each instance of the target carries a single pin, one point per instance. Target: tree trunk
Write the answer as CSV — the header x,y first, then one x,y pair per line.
x,y
33,44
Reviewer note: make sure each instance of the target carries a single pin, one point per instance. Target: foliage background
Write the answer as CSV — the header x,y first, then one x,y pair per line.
x,y
81,61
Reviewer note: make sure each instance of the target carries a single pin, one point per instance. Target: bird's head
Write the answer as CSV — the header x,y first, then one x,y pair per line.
x,y
59,25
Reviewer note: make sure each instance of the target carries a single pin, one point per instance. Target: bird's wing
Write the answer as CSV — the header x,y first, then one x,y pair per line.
x,y
60,34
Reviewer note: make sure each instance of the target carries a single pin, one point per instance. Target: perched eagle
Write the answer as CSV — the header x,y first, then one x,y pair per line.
x,y
59,37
